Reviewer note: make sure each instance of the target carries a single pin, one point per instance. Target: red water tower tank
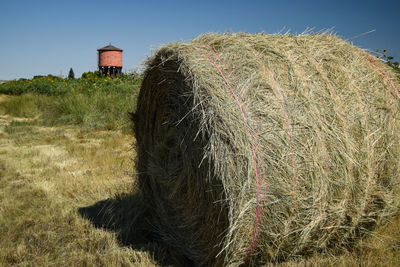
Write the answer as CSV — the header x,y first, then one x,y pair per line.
x,y
110,60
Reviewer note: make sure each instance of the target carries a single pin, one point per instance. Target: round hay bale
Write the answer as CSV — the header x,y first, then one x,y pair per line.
x,y
254,148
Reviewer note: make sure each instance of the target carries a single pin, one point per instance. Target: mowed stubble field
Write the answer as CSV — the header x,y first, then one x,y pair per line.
x,y
67,197
47,175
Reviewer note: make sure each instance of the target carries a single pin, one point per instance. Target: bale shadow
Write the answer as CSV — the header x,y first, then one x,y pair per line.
x,y
127,216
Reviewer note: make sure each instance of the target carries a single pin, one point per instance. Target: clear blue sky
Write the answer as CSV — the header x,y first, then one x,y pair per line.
x,y
48,37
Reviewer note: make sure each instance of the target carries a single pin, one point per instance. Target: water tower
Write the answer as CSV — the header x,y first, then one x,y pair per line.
x,y
110,60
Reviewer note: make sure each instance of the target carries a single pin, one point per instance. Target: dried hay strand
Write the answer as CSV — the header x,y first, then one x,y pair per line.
x,y
258,148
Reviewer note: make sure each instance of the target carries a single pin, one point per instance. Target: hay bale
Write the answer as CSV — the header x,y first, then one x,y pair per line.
x,y
254,148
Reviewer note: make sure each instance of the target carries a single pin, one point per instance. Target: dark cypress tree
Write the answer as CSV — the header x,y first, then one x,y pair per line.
x,y
71,74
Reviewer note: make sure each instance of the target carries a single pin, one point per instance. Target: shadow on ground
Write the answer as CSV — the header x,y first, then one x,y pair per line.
x,y
126,216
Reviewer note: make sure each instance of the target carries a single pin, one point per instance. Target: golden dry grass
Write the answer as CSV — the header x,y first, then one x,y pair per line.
x,y
48,175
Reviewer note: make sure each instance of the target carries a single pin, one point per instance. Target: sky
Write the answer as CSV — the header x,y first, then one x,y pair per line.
x,y
40,37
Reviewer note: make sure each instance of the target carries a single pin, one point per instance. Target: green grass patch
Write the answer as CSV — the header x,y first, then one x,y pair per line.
x,y
93,102
23,106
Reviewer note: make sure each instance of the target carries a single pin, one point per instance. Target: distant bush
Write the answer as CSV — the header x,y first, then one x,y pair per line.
x,y
53,85
50,85
389,60
90,75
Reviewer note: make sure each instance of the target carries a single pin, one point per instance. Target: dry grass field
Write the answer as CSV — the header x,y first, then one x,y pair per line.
x,y
47,175
67,199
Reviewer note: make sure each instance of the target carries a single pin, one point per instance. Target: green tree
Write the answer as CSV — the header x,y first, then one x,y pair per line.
x,y
71,74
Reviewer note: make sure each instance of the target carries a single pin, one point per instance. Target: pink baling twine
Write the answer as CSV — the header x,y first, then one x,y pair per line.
x,y
373,61
255,136
225,65
242,98
255,233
